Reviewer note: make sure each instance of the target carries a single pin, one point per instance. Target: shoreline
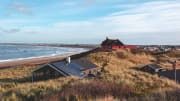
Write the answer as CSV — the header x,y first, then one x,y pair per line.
x,y
35,60
4,64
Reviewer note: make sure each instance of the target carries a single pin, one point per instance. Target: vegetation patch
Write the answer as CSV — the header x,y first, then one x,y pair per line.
x,y
118,79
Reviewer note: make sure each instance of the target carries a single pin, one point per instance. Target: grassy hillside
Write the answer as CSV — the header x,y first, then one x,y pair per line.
x,y
118,79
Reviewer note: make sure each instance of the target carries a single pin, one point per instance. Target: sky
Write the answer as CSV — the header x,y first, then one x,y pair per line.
x,y
90,21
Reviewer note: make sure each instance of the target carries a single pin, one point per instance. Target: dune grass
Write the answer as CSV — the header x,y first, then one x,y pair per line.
x,y
119,79
124,64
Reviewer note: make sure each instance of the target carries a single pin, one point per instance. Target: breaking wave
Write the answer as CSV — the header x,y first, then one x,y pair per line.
x,y
21,52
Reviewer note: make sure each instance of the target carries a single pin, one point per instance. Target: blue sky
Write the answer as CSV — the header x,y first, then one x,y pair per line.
x,y
90,21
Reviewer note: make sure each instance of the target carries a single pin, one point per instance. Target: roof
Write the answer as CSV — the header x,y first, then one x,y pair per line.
x,y
71,68
111,42
74,68
153,66
85,64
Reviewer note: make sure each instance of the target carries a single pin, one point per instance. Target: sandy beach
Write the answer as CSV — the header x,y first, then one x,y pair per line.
x,y
33,61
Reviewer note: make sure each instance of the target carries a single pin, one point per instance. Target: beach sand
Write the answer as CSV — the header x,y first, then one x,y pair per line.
x,y
34,61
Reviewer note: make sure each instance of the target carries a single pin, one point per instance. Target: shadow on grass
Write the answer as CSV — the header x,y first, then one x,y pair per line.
x,y
17,80
136,68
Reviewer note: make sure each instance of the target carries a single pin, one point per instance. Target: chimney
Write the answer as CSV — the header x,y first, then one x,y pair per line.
x,y
68,60
107,38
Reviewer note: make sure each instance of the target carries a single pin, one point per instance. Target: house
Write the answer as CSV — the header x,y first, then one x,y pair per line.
x,y
78,67
170,75
115,44
152,68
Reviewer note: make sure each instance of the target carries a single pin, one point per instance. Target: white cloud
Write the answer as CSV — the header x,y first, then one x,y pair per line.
x,y
148,17
155,20
20,7
153,16
13,30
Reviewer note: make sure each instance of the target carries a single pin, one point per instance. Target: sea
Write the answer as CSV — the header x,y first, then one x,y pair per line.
x,y
20,52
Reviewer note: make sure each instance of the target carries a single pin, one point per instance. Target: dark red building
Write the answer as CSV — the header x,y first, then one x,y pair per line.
x,y
115,44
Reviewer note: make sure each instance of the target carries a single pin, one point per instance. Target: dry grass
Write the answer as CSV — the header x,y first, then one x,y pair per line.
x,y
123,64
18,72
93,89
174,54
118,74
35,91
170,56
10,78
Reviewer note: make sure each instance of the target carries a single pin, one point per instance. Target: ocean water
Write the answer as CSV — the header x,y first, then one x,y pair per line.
x,y
19,52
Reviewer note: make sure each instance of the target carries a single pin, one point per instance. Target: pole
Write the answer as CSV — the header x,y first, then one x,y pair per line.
x,y
32,77
175,75
174,64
